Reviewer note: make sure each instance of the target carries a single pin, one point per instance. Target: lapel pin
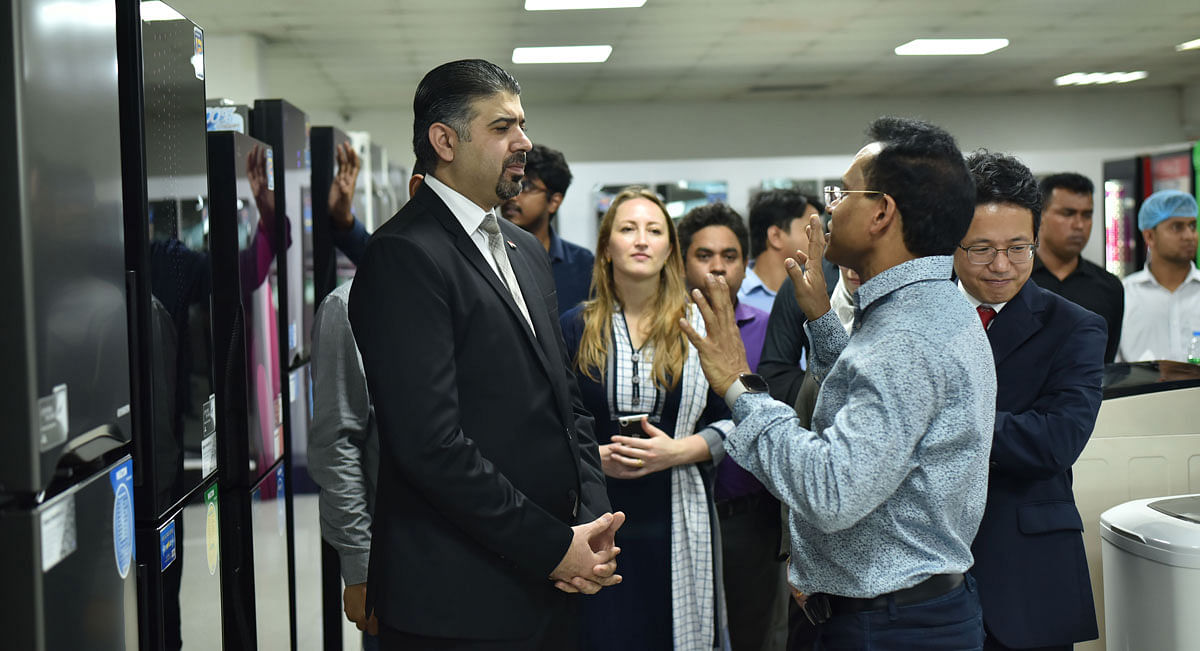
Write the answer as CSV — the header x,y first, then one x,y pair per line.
x,y
511,245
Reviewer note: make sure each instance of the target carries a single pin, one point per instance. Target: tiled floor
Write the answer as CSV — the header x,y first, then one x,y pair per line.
x,y
201,599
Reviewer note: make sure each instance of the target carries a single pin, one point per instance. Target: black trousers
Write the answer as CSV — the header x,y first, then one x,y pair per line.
x,y
992,644
755,586
560,633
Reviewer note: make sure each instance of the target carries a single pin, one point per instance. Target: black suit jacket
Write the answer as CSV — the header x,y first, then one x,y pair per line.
x,y
1029,557
487,453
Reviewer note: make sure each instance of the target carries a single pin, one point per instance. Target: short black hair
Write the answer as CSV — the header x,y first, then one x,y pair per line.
x,y
445,95
1000,178
1069,181
550,167
713,214
922,169
773,208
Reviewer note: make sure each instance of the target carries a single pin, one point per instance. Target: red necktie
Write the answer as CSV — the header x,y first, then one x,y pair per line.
x,y
986,314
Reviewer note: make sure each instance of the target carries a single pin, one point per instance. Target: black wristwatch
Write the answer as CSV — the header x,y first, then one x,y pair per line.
x,y
746,383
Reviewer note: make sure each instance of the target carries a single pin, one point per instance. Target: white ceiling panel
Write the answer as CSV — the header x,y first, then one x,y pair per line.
x,y
359,54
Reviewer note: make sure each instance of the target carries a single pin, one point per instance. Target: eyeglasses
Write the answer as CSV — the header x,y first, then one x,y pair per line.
x,y
1017,253
527,187
834,194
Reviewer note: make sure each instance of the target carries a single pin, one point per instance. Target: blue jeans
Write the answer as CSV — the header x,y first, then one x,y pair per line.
x,y
953,621
370,642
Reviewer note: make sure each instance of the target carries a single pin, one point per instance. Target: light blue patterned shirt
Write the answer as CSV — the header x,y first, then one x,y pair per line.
x,y
889,488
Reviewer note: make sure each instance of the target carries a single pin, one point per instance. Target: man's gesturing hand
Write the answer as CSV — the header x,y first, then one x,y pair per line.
x,y
590,562
722,353
810,279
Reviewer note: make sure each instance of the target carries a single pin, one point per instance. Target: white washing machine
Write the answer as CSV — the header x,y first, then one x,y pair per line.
x,y
1151,555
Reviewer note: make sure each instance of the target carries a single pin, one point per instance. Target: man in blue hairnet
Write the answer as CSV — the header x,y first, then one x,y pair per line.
x,y
1162,301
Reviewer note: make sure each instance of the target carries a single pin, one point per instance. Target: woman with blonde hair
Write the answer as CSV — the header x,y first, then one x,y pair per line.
x,y
631,358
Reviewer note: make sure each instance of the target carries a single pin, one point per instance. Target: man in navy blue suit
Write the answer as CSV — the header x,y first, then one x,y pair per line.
x,y
1049,352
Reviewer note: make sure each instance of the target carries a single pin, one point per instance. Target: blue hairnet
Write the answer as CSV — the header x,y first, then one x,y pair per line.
x,y
1165,204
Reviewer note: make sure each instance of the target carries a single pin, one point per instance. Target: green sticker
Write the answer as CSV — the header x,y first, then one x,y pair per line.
x,y
211,532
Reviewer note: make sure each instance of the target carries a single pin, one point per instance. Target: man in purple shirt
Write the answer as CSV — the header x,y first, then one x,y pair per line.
x,y
714,241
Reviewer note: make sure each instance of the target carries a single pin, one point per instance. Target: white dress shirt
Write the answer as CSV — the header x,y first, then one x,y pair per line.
x,y
1158,323
843,303
975,303
468,214
471,216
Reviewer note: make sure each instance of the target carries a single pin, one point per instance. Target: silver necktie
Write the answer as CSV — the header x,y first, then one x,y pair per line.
x,y
491,228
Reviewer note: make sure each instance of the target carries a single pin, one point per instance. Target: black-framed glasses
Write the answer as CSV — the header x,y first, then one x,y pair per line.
x,y
528,187
834,194
1017,253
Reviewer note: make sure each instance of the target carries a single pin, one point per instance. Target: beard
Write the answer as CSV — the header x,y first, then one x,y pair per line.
x,y
508,188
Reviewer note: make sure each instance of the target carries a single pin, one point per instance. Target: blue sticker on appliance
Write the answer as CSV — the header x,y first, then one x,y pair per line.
x,y
121,479
166,546
280,503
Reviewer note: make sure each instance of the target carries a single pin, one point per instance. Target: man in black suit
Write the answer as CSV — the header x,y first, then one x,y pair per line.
x,y
1049,353
488,460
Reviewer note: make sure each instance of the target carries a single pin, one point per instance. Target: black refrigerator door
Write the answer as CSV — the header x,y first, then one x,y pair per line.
x,y
246,348
286,129
180,572
271,596
330,266
177,449
64,357
67,568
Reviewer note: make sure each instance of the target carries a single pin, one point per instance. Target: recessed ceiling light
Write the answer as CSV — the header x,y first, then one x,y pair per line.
x,y
568,54
1093,78
951,46
1190,45
553,5
157,10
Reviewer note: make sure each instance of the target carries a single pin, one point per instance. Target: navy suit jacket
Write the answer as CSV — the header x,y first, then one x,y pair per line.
x,y
487,453
1029,558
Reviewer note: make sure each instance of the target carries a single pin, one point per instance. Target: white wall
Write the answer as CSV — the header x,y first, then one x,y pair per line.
x,y
233,68
577,221
1067,120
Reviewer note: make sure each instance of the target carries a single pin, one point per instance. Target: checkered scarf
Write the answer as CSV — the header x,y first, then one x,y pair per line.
x,y
693,575
696,595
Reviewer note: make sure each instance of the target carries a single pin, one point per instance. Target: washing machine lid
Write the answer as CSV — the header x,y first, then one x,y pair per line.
x,y
1184,508
1162,529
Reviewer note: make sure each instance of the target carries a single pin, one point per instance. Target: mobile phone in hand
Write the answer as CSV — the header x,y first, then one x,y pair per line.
x,y
631,425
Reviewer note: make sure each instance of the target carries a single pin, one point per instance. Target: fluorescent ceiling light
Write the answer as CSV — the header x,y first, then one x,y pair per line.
x,y
951,46
1092,78
157,10
1190,45
569,54
553,5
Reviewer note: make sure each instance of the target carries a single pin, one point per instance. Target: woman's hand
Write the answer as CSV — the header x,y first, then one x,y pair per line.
x,y
609,463
631,458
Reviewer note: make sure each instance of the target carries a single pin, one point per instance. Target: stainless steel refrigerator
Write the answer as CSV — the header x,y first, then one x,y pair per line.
x,y
66,506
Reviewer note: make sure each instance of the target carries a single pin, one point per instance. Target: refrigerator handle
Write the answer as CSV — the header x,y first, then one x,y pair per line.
x,y
91,446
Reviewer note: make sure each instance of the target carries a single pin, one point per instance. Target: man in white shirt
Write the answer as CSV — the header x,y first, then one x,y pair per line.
x,y
1162,301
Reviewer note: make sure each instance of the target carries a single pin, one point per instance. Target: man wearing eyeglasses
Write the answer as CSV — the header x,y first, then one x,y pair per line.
x,y
547,178
1049,354
886,489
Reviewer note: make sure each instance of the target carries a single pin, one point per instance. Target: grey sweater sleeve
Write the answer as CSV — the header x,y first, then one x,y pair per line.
x,y
339,443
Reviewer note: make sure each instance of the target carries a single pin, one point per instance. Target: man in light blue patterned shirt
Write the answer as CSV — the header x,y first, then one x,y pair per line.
x,y
888,489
